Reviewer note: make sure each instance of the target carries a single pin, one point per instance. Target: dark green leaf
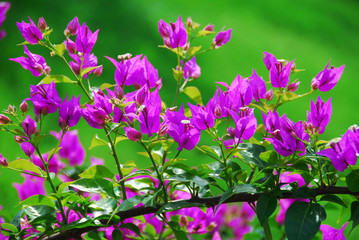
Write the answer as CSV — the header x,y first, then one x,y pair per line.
x,y
117,235
92,236
107,205
266,205
56,78
132,227
353,181
248,188
95,185
176,228
173,206
97,171
130,203
303,219
333,199
187,177
37,211
251,154
38,200
354,216
304,193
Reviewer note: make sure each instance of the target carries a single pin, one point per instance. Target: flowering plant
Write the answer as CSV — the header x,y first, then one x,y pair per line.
x,y
257,157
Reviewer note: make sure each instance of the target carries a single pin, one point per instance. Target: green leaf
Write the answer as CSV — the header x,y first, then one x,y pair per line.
x,y
9,226
248,188
353,181
107,205
270,157
289,96
266,205
132,227
56,78
97,171
60,48
96,141
38,200
176,228
106,85
87,70
38,211
92,236
193,50
354,216
173,206
333,199
304,192
194,94
251,154
95,185
117,235
63,186
24,164
303,219
130,203
212,149
187,177
177,74
204,33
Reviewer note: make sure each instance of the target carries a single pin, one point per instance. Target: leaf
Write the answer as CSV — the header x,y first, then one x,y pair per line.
x,y
303,219
187,177
96,141
95,185
248,188
177,74
213,149
251,154
194,94
60,48
354,216
193,50
56,78
270,157
173,206
97,171
289,96
63,186
107,205
92,236
9,226
204,33
266,205
132,227
38,211
333,199
38,200
87,70
24,164
117,235
176,228
130,203
353,181
106,85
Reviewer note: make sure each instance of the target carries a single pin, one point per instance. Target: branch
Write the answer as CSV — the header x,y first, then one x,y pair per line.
x,y
208,202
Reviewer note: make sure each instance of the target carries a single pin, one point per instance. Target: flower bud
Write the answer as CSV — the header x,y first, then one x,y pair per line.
x,y
231,132
47,70
211,226
4,119
218,111
24,107
72,27
189,22
10,109
132,134
163,129
293,67
3,161
98,71
314,84
186,46
42,24
27,148
119,92
293,86
70,46
209,27
184,220
269,95
19,139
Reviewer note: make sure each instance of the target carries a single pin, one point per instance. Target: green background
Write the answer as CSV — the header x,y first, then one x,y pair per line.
x,y
312,32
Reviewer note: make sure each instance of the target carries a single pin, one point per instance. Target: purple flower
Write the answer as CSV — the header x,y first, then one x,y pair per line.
x,y
328,78
320,114
174,35
87,60
70,46
191,69
30,31
71,147
4,7
34,63
149,114
132,134
31,186
3,162
341,153
69,112
202,118
222,38
85,39
54,166
72,27
293,86
269,60
279,74
238,95
29,126
354,136
28,148
330,233
44,98
258,86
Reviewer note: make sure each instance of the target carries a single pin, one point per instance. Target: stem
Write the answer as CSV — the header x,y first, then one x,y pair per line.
x,y
267,231
251,175
22,171
165,196
118,165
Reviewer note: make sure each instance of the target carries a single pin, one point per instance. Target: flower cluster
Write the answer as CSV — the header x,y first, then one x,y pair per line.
x,y
4,7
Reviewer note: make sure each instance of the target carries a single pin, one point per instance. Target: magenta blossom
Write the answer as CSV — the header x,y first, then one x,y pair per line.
x,y
279,74
69,112
4,7
31,186
30,31
320,114
269,60
174,35
28,148
45,98
29,125
85,39
149,114
132,134
191,69
55,164
79,63
258,86
34,63
328,78
330,233
203,118
72,27
222,38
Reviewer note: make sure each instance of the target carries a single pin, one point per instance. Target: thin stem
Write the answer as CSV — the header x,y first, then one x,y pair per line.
x,y
165,196
118,165
170,162
251,175
267,231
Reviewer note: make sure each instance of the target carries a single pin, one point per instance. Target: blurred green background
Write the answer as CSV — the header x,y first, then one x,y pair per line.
x,y
312,32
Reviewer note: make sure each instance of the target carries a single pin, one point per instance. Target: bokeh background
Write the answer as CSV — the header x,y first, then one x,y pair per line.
x,y
312,32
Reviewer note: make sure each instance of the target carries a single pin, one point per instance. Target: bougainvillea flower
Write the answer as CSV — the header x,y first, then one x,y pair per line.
x,y
72,27
149,114
34,63
45,98
85,39
55,164
328,78
341,153
132,134
191,69
330,233
279,74
203,118
216,104
222,38
4,7
31,186
3,161
258,86
174,35
69,112
354,136
320,114
71,147
70,46
87,60
28,148
293,86
30,31
269,60
271,121
29,125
